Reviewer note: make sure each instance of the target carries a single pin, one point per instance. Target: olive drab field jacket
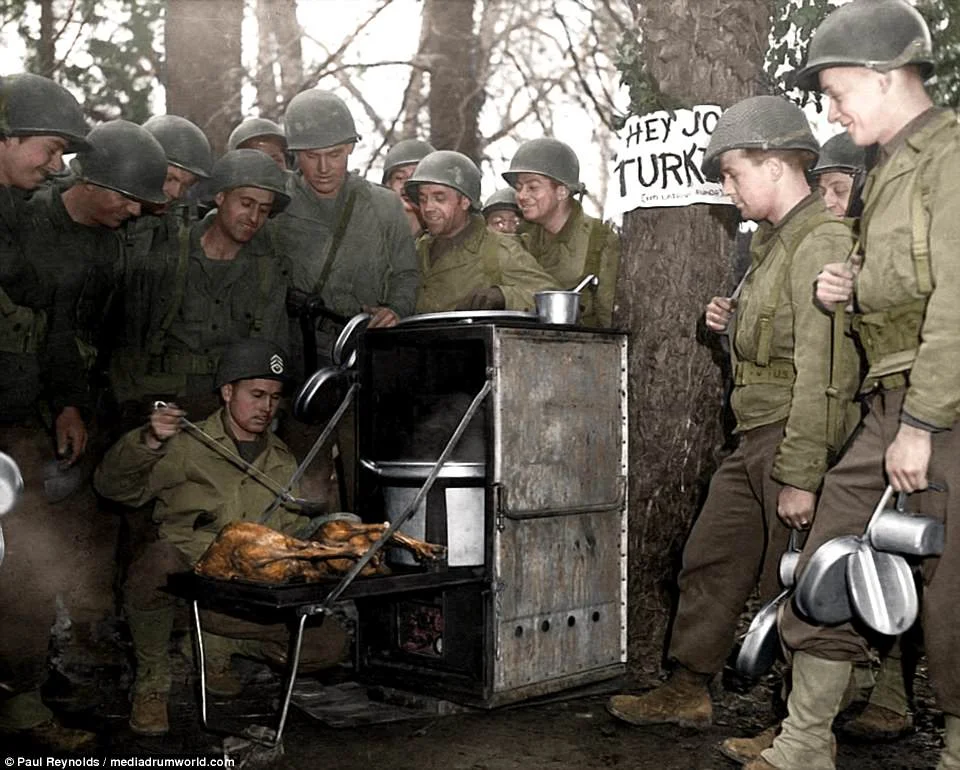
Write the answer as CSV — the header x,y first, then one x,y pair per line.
x,y
908,289
197,490
478,259
183,309
374,261
584,245
782,343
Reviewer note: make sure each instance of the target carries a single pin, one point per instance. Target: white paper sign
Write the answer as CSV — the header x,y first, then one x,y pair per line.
x,y
658,160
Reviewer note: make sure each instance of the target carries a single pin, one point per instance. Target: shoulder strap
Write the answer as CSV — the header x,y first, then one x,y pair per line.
x,y
598,233
179,284
769,308
339,232
490,255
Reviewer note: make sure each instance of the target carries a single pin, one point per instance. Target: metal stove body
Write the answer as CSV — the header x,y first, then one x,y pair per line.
x,y
533,598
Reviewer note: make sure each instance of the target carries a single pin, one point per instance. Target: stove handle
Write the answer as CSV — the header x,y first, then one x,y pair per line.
x,y
573,510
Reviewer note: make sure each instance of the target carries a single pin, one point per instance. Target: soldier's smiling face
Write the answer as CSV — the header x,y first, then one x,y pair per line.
x,y
109,208
27,160
324,170
445,211
539,197
859,101
242,211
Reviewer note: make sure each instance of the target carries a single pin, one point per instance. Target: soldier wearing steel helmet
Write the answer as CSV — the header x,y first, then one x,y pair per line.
x,y
463,265
568,244
260,134
502,212
839,173
398,166
196,492
793,404
870,58
40,371
222,279
347,238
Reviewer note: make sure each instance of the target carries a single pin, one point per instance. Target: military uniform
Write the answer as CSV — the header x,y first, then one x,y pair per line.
x,y
583,245
780,402
477,258
183,308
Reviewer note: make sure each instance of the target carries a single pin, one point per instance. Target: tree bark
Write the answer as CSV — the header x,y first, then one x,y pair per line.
x,y
278,42
204,72
456,95
674,260
46,45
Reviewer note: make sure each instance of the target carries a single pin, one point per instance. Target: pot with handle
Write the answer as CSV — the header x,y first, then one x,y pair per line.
x,y
562,307
907,533
761,643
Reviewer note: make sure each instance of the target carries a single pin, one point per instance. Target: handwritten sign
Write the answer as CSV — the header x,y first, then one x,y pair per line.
x,y
658,160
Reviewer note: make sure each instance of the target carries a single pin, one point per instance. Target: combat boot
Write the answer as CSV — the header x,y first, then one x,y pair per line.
x,y
743,750
886,716
950,756
219,675
682,700
150,631
53,736
806,740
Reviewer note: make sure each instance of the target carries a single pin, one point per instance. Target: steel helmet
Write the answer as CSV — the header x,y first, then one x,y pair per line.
x,y
504,198
252,128
315,120
449,168
758,123
548,157
253,358
250,168
408,152
125,158
839,153
881,35
36,106
184,143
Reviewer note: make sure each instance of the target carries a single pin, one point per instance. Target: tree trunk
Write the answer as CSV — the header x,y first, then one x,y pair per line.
x,y
456,95
278,42
674,260
204,73
46,45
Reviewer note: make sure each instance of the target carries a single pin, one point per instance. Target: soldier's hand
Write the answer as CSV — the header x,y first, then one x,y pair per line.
x,y
164,424
719,312
908,458
71,435
796,507
484,299
383,317
835,285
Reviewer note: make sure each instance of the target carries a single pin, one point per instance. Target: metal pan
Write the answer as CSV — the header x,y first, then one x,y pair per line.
x,y
882,590
11,483
761,643
469,316
787,568
344,351
906,533
821,594
321,394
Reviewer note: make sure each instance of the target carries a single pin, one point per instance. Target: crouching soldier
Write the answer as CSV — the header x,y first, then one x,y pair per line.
x,y
197,492
463,265
789,429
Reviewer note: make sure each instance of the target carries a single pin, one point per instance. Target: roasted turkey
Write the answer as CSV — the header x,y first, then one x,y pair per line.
x,y
249,551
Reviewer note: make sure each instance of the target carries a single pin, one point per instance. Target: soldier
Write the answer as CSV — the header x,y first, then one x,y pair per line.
x,y
502,212
197,492
871,58
789,429
463,265
398,166
347,238
260,134
40,370
189,160
839,172
568,244
220,280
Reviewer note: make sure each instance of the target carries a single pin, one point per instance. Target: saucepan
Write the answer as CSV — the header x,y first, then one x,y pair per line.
x,y
907,533
787,568
562,307
882,588
11,483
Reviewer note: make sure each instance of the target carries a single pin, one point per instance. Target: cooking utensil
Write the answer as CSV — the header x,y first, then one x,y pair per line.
x,y
562,307
3,546
469,316
321,393
344,352
882,590
787,568
761,643
11,483
821,591
907,533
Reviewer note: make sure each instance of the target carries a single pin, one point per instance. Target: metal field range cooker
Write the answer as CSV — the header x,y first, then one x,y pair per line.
x,y
532,506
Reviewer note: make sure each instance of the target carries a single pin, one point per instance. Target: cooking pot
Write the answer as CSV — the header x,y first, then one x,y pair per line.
x,y
452,514
11,483
911,534
561,307
787,567
761,643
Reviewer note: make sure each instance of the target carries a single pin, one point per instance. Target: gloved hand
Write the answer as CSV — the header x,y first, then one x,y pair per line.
x,y
484,299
